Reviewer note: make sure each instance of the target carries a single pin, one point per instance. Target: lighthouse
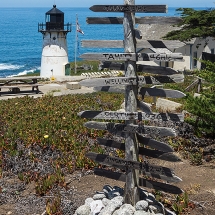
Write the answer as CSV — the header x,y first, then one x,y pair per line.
x,y
54,60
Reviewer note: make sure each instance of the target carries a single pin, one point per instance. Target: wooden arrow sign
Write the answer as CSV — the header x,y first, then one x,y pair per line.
x,y
151,170
110,115
133,56
138,20
156,70
109,56
118,127
168,156
130,8
145,91
149,142
132,80
154,143
167,93
169,44
168,188
160,70
159,57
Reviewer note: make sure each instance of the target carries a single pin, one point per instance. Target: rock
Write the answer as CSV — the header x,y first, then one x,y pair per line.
x,y
96,206
105,201
142,205
143,194
111,207
88,201
107,189
126,209
113,194
83,210
99,196
118,199
140,212
168,212
156,209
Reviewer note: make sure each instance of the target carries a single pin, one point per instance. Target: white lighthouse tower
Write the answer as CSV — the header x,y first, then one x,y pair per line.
x,y
54,60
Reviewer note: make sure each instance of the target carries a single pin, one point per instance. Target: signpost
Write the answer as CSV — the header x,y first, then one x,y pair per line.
x,y
133,128
133,56
138,20
132,80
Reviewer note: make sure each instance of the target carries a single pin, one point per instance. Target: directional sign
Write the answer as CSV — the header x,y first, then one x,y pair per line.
x,y
138,20
117,127
149,142
133,56
132,80
168,156
151,170
154,143
160,70
109,115
109,56
169,44
167,93
130,8
144,91
168,188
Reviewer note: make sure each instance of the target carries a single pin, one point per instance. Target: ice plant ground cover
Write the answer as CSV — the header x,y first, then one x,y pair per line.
x,y
42,140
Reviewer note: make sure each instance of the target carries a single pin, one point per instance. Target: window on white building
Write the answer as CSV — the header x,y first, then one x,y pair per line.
x,y
194,59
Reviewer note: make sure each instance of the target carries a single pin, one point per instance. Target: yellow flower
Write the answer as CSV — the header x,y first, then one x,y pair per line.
x,y
46,136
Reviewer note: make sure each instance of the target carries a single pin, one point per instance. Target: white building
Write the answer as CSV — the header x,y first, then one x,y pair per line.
x,y
191,50
54,60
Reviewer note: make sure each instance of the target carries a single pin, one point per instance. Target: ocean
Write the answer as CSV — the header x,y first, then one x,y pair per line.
x,y
21,43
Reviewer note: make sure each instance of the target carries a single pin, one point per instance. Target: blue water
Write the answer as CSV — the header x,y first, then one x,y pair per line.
x,y
21,43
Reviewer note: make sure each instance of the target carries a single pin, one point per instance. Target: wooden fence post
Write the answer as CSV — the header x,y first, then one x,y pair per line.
x,y
131,146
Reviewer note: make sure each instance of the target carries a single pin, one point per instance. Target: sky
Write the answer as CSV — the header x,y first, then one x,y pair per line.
x,y
88,3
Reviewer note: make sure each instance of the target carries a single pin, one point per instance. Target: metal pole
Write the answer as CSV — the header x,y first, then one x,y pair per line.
x,y
131,146
76,41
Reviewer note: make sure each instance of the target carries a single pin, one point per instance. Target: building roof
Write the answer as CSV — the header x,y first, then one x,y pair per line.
x,y
54,10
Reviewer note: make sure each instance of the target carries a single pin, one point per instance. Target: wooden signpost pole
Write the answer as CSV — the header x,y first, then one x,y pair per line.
x,y
131,145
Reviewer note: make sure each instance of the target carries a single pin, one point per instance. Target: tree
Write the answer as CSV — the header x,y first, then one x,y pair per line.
x,y
195,23
203,107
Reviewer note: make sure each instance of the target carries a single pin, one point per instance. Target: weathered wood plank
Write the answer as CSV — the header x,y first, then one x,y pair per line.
x,y
143,106
133,56
154,143
172,44
140,116
167,93
151,170
130,8
109,56
168,188
132,80
145,91
167,156
131,128
154,69
138,20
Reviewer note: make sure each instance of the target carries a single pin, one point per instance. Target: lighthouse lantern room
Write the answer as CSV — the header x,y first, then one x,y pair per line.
x,y
55,52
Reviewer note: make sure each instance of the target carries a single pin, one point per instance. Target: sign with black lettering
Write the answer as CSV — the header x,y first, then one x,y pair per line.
x,y
168,156
149,142
151,170
130,8
168,188
142,129
133,56
109,115
138,20
132,80
145,91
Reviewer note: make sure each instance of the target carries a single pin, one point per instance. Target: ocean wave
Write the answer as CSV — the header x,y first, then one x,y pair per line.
x,y
25,72
4,66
